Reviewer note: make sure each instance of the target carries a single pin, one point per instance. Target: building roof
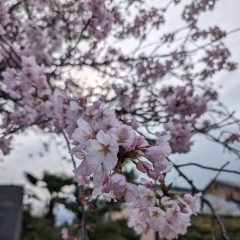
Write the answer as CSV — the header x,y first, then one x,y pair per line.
x,y
234,185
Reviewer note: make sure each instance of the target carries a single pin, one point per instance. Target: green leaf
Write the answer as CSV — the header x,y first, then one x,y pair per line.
x,y
33,180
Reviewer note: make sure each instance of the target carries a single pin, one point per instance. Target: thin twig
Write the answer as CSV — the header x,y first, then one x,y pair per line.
x,y
204,200
214,179
69,148
223,230
79,194
213,228
208,168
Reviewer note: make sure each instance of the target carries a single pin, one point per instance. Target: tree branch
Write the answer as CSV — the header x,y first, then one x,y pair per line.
x,y
208,168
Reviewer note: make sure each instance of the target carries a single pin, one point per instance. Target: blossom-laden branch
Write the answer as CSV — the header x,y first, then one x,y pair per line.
x,y
104,144
79,197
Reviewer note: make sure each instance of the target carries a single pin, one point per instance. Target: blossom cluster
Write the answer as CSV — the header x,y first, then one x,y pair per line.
x,y
4,17
104,144
67,236
150,71
182,101
215,32
166,213
138,27
28,86
27,82
126,96
192,10
29,91
216,59
5,145
98,22
37,44
183,108
35,101
181,134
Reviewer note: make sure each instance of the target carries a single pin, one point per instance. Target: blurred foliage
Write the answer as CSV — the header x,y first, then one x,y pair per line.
x,y
54,185
201,228
38,228
98,220
32,179
112,230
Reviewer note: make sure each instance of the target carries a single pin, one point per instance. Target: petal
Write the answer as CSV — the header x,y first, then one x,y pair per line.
x,y
97,191
83,124
110,161
113,146
99,176
103,138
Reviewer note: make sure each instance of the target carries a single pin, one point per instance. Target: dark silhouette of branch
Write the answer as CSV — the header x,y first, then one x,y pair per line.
x,y
69,148
79,194
215,215
208,168
204,200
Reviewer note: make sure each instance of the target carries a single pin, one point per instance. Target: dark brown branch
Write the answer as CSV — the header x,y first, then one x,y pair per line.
x,y
79,189
204,200
215,215
37,122
208,168
69,148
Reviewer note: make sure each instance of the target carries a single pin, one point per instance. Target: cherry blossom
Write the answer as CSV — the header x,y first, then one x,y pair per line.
x,y
193,202
5,145
83,132
102,150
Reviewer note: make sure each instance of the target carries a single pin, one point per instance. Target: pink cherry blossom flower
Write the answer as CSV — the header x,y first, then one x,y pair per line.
x,y
109,196
65,234
175,218
131,192
138,142
5,145
157,218
75,111
84,169
83,132
146,197
28,62
143,166
137,218
193,202
82,180
117,183
155,154
102,150
100,173
79,151
43,86
148,184
164,144
124,135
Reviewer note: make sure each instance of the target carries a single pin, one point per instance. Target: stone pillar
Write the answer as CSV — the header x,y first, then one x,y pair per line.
x,y
10,212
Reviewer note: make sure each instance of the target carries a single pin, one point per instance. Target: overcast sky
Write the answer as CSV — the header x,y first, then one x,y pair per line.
x,y
204,152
